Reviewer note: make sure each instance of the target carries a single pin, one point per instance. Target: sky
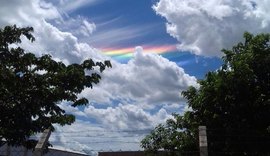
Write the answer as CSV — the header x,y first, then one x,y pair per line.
x,y
157,48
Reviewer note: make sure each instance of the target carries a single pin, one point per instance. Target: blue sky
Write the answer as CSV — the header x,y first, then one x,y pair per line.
x,y
134,15
140,15
158,48
128,13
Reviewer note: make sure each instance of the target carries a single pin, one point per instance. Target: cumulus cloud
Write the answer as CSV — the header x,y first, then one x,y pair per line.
x,y
61,45
149,80
205,27
127,117
139,94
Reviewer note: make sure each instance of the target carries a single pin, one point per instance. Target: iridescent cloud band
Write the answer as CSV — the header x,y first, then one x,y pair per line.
x,y
128,52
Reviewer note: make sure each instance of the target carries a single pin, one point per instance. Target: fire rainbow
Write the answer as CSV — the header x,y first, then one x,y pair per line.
x,y
127,53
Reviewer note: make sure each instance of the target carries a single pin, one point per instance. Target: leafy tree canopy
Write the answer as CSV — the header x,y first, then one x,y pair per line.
x,y
232,101
31,88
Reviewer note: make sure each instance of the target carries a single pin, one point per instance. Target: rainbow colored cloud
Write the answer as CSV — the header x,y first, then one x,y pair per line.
x,y
121,54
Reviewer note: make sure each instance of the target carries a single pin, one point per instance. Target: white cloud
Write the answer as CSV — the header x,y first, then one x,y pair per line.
x,y
49,39
139,94
149,80
61,45
127,117
24,13
205,27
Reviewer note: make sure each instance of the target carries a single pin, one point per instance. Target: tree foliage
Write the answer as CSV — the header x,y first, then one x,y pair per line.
x,y
31,87
233,102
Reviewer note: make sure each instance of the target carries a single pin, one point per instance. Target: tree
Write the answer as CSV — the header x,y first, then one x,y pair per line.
x,y
233,102
171,137
31,88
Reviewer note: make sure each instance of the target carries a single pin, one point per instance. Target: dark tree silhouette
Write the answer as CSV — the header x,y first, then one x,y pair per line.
x,y
233,102
32,87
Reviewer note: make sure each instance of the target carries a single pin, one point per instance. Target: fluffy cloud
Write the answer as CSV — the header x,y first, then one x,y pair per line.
x,y
61,45
127,117
131,97
139,94
205,27
148,80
